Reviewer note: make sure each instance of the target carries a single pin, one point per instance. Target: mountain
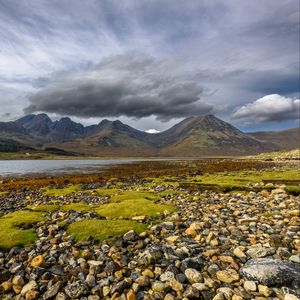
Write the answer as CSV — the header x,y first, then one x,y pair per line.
x,y
280,140
42,127
206,135
194,136
111,138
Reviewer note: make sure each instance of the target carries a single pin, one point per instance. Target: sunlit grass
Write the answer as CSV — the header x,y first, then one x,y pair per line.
x,y
131,208
61,192
11,235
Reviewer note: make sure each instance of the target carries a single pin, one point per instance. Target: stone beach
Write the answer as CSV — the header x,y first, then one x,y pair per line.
x,y
215,245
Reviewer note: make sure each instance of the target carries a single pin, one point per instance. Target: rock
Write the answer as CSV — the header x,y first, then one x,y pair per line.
x,y
18,280
31,285
74,289
148,273
32,295
260,252
6,286
295,258
38,261
191,293
159,286
193,276
4,275
143,281
268,271
277,191
52,290
239,253
193,229
250,286
228,276
176,285
130,295
130,236
93,297
61,296
219,296
227,292
290,297
168,225
167,276
264,290
192,263
90,280
106,291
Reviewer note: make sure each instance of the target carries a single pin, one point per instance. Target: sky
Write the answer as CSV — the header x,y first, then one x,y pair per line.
x,y
151,63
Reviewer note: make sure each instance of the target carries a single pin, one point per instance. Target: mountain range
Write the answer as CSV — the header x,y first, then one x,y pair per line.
x,y
194,136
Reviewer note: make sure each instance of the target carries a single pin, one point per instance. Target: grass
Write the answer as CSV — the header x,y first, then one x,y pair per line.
x,y
131,208
11,235
239,180
61,192
133,195
294,190
54,207
103,229
107,192
3,193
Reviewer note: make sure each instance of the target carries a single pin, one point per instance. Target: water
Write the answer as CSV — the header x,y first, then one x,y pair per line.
x,y
16,168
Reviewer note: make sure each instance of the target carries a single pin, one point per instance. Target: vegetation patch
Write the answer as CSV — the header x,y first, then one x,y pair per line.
x,y
134,195
239,180
61,192
103,229
11,235
107,192
294,190
3,193
131,208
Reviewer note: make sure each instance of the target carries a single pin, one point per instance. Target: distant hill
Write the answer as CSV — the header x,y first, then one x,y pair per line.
x,y
279,140
194,136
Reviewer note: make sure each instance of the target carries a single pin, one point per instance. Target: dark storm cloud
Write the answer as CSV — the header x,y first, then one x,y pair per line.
x,y
243,50
129,85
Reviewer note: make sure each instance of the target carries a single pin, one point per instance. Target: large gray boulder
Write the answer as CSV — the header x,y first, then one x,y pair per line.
x,y
268,271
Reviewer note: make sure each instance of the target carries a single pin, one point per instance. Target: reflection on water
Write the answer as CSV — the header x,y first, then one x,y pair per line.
x,y
26,167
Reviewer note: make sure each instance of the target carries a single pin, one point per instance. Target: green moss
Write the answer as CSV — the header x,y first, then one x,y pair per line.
x,y
239,180
294,190
131,208
61,192
133,195
103,229
107,192
11,235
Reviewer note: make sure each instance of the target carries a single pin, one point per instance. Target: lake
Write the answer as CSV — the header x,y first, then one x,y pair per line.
x,y
16,168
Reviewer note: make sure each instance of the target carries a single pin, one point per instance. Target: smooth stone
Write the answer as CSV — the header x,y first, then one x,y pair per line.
x,y
31,285
228,276
250,286
193,276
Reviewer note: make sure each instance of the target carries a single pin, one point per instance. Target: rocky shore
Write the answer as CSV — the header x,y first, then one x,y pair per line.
x,y
215,246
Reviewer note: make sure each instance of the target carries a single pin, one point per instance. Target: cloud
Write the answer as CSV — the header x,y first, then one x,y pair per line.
x,y
152,131
272,107
131,85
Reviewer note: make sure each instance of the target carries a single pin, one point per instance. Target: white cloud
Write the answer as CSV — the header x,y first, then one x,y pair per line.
x,y
152,131
272,107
